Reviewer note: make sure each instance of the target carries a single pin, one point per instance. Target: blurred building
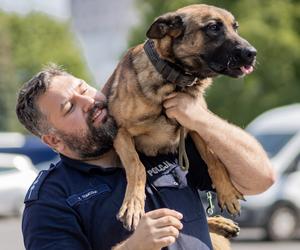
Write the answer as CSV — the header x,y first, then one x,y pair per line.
x,y
102,28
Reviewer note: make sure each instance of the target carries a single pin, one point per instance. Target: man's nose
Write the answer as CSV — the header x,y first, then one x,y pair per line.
x,y
86,102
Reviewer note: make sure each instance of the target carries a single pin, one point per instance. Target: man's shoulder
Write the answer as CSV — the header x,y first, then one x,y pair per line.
x,y
46,179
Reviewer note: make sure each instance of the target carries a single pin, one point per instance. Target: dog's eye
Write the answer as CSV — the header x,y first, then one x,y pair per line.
x,y
214,27
235,26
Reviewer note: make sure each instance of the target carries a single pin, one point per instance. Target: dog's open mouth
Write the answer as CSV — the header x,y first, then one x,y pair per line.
x,y
231,67
239,71
247,69
232,70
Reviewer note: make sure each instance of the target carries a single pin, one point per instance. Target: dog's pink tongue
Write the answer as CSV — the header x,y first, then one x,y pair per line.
x,y
247,69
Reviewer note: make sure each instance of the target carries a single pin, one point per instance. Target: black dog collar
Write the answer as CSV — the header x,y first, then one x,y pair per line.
x,y
181,79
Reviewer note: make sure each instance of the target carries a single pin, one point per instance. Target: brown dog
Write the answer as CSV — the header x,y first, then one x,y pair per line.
x,y
186,49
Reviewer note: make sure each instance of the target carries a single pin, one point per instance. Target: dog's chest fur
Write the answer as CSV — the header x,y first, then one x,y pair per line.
x,y
135,101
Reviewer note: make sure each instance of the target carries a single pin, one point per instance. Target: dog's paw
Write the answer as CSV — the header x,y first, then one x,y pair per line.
x,y
223,226
131,212
230,201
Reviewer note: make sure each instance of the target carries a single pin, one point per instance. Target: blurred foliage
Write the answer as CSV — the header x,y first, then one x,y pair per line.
x,y
27,43
273,28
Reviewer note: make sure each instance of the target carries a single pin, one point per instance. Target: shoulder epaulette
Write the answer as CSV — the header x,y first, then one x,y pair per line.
x,y
33,191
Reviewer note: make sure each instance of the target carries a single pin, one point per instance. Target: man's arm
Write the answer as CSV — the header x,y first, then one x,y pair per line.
x,y
248,165
52,227
156,229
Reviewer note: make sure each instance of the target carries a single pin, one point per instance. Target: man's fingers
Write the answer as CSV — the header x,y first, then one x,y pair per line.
x,y
173,94
170,112
170,103
165,241
168,221
167,231
158,213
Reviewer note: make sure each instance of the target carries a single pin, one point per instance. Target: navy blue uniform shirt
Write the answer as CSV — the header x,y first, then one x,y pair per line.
x,y
73,205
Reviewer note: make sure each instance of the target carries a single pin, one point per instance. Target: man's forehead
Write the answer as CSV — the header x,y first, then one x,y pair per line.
x,y
63,81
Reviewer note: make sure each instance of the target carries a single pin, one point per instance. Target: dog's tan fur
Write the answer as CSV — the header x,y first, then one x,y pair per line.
x,y
221,230
135,101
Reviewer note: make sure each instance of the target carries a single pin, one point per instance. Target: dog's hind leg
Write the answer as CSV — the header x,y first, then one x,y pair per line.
x,y
221,230
223,226
228,195
219,242
134,201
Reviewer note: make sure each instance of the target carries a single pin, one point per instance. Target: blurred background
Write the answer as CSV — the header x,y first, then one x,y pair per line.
x,y
89,37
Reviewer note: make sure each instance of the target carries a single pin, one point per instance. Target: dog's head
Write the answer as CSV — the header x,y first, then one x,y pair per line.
x,y
203,40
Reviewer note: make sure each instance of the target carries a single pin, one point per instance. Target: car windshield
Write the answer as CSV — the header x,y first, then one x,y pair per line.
x,y
273,143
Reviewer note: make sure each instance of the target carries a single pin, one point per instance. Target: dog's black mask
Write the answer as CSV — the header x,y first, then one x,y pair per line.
x,y
231,55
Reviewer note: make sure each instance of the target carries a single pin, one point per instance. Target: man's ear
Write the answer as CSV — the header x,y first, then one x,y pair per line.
x,y
169,24
53,142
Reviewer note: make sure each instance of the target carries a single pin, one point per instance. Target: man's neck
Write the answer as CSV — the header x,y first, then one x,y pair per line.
x,y
107,160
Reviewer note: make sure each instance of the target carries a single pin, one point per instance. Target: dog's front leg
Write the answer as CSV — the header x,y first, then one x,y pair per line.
x,y
134,201
228,195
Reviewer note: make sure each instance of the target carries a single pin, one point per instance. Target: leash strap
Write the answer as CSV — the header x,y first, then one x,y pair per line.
x,y
169,73
183,158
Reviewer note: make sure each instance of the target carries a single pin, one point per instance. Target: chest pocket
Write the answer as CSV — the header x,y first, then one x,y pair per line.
x,y
88,194
173,192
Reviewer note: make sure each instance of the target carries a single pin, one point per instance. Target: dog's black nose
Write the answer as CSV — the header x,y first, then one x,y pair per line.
x,y
247,54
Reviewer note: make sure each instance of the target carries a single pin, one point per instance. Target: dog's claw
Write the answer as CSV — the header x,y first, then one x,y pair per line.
x,y
230,201
130,212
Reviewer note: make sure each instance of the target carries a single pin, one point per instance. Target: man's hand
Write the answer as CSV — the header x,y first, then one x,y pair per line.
x,y
185,109
156,229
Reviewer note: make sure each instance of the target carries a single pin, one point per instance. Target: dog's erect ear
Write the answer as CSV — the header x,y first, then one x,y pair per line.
x,y
168,24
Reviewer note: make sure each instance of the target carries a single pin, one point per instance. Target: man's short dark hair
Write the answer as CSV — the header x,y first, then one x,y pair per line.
x,y
27,110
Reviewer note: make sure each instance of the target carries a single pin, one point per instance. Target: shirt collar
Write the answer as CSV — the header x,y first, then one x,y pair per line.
x,y
85,167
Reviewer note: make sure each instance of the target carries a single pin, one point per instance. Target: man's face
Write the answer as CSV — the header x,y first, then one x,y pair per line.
x,y
78,113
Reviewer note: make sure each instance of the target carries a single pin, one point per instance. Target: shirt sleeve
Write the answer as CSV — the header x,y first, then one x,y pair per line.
x,y
52,226
198,173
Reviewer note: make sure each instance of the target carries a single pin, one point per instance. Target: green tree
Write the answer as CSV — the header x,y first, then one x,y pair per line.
x,y
27,43
273,28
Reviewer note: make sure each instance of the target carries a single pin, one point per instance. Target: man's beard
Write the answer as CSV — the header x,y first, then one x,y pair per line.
x,y
96,141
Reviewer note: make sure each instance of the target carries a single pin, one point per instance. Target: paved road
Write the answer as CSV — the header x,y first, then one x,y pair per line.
x,y
10,234
10,239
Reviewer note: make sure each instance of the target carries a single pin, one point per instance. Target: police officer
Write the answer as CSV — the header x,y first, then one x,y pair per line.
x,y
73,205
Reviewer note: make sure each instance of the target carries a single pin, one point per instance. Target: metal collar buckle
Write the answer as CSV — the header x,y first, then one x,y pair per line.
x,y
193,82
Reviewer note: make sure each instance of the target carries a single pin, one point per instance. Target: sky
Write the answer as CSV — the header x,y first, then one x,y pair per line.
x,y
57,8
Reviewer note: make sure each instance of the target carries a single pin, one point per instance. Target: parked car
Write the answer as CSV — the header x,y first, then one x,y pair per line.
x,y
29,145
16,175
277,210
